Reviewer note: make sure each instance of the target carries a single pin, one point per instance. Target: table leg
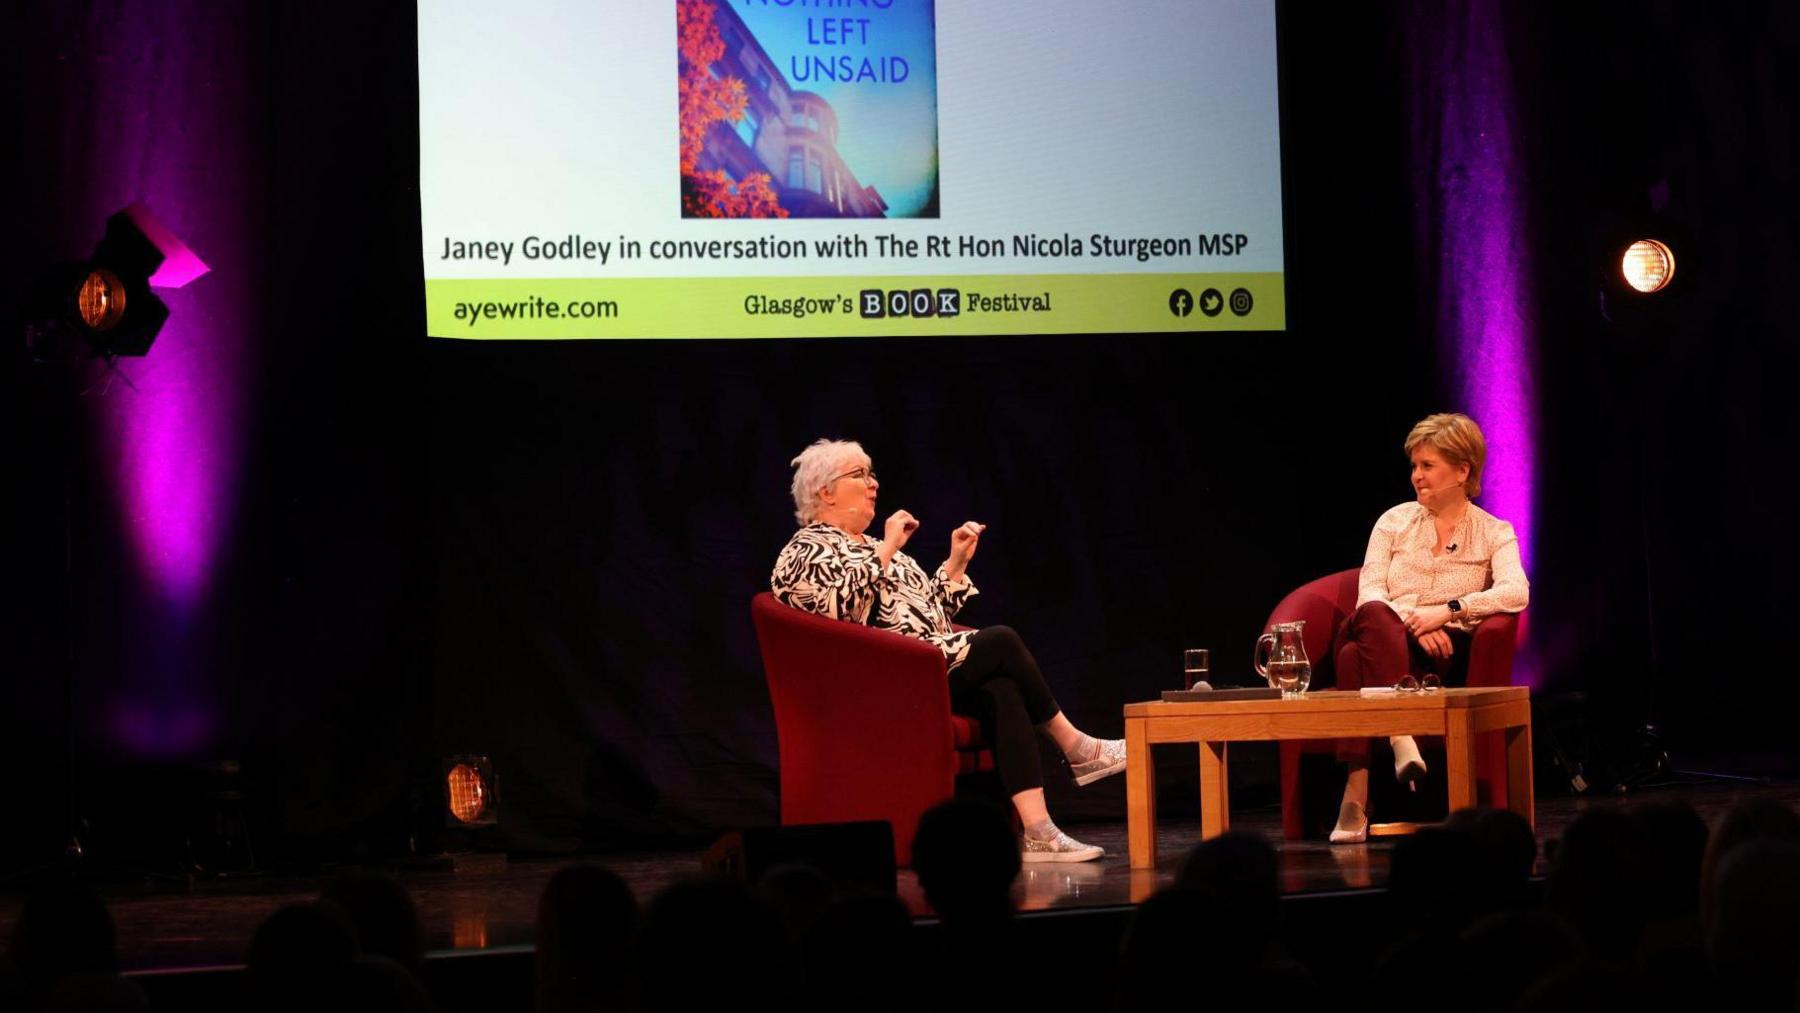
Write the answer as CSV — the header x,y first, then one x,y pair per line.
x,y
1459,749
1145,883
1521,795
1215,781
1140,794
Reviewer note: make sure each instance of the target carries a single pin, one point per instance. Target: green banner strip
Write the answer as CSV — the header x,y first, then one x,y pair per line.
x,y
840,307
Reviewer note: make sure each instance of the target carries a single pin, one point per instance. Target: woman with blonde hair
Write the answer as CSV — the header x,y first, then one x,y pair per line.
x,y
1435,568
830,566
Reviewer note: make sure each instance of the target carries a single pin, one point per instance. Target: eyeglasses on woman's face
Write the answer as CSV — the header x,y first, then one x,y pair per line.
x,y
864,475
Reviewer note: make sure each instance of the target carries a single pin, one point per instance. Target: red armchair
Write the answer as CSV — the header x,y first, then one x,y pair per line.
x,y
1326,604
862,716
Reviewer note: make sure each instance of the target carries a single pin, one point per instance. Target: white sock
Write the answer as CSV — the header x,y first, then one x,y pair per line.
x,y
1086,748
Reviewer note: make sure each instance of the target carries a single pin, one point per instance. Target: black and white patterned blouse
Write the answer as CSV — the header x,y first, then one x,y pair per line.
x,y
822,569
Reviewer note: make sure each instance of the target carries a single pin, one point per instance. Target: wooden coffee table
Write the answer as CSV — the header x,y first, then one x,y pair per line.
x,y
1456,714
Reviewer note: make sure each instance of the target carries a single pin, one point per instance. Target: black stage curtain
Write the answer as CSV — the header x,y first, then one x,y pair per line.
x,y
545,552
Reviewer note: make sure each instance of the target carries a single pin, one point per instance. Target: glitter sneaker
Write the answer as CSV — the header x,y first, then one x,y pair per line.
x,y
1107,762
1061,848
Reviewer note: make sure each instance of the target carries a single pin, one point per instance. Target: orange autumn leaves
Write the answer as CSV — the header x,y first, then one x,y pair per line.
x,y
705,100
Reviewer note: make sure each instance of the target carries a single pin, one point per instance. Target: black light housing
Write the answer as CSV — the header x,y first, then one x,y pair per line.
x,y
103,306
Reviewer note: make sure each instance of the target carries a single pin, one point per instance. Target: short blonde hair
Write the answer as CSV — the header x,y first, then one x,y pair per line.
x,y
814,467
1458,439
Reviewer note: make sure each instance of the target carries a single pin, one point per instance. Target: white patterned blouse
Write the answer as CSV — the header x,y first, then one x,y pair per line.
x,y
822,569
1480,565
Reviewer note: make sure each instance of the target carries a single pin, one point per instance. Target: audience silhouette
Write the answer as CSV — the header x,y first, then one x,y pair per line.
x,y
586,920
708,944
1753,940
307,958
966,855
383,916
63,954
1641,907
967,858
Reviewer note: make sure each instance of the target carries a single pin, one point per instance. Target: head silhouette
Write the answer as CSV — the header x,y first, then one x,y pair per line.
x,y
1597,883
1753,940
386,923
1755,820
967,859
298,955
63,929
585,921
1240,870
707,944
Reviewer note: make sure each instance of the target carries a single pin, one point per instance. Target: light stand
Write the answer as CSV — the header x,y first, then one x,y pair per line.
x,y
1633,307
103,309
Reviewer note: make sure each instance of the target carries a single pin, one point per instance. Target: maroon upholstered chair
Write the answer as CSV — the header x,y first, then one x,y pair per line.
x,y
863,719
1326,604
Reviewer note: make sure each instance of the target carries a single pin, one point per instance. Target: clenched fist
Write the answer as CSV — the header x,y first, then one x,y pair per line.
x,y
962,544
898,529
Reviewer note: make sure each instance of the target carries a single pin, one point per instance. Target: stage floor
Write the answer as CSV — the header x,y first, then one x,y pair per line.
x,y
209,925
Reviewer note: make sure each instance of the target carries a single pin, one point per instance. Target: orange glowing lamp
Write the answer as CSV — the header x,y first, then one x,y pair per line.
x,y
471,793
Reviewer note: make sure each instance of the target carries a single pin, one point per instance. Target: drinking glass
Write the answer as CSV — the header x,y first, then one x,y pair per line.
x,y
1196,665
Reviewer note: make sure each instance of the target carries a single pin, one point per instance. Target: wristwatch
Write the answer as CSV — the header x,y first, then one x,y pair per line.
x,y
1456,608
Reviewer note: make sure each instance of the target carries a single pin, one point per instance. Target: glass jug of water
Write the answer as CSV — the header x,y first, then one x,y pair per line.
x,y
1281,658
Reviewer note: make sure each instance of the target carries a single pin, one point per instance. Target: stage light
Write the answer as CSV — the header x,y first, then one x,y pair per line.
x,y
1649,265
104,307
101,300
471,793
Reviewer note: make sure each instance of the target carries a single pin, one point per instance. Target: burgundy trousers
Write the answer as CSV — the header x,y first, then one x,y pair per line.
x,y
1372,648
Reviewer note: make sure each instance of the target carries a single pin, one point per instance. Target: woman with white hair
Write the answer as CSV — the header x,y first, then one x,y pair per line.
x,y
833,568
1435,568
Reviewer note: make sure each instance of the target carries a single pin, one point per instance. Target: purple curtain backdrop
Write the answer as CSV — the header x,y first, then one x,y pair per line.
x,y
152,103
1471,177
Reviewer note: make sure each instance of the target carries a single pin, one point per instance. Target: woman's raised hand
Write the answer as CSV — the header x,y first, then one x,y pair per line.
x,y
898,529
963,542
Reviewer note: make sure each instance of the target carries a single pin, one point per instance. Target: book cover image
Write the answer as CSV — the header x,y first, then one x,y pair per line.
x,y
808,108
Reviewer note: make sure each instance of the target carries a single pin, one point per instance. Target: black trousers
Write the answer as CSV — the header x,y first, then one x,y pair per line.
x,y
999,685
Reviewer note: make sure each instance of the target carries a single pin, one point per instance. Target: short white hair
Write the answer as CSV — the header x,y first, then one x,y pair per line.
x,y
817,465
